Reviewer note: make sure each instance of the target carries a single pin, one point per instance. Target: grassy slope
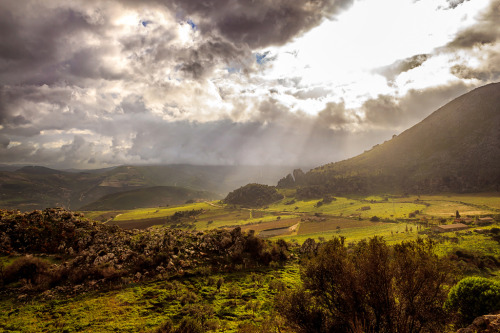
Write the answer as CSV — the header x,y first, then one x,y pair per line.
x,y
142,307
148,197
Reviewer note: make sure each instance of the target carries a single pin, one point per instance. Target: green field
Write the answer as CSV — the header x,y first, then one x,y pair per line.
x,y
392,233
150,213
349,217
351,207
244,298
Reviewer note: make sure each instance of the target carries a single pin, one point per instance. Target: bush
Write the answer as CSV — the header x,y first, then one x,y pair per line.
x,y
371,287
189,325
33,270
473,297
166,327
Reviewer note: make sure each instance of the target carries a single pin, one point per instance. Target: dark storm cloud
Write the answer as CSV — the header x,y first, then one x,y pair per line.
x,y
393,70
200,61
485,31
4,141
232,29
35,40
484,35
485,73
18,105
257,23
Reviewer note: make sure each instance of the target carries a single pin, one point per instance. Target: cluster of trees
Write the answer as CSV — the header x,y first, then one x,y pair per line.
x,y
374,287
253,195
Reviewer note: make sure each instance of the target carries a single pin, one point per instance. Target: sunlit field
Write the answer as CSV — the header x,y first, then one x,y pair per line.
x,y
350,217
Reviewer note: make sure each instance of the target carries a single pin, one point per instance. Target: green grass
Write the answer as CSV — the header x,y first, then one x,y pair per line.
x,y
480,244
445,208
392,233
143,307
347,207
149,213
487,200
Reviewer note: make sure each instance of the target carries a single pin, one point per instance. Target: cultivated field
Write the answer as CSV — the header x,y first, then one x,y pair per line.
x,y
397,217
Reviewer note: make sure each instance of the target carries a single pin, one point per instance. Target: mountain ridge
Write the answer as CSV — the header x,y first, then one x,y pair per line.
x,y
33,187
456,149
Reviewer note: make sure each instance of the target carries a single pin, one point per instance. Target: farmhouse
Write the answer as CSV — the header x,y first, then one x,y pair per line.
x,y
466,220
449,227
484,221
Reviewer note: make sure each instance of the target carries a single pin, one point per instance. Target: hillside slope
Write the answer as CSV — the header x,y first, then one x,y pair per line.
x,y
148,197
456,148
38,187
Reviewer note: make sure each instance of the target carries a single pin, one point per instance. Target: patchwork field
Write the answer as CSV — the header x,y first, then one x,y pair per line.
x,y
334,223
349,217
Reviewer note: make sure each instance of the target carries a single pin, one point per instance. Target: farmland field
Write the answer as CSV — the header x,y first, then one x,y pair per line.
x,y
349,217
331,224
392,233
351,207
149,213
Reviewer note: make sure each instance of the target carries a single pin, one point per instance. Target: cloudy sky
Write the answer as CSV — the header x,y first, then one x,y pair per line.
x,y
88,84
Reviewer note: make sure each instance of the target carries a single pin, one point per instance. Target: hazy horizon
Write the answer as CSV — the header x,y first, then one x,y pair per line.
x,y
93,84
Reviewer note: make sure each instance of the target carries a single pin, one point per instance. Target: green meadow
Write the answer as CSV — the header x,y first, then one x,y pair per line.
x,y
244,298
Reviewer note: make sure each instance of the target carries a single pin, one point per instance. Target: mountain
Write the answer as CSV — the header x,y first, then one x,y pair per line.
x,y
35,187
455,149
149,197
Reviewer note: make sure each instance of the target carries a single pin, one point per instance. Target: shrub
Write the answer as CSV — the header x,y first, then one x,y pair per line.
x,y
33,270
166,327
472,297
189,325
371,287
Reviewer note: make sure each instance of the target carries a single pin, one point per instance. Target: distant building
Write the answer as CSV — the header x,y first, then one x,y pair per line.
x,y
466,220
449,227
484,221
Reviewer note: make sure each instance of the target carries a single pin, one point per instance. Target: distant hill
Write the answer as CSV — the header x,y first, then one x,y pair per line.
x,y
39,170
35,187
148,197
455,149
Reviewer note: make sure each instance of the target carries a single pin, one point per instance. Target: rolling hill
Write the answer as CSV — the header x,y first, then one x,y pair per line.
x,y
148,197
455,149
35,187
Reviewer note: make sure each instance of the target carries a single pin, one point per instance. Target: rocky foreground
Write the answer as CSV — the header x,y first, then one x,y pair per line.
x,y
66,252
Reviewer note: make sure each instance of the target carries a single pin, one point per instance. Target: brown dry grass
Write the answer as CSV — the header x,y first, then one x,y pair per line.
x,y
331,224
271,225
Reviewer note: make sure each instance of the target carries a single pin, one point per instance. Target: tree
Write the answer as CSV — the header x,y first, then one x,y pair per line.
x,y
472,297
372,287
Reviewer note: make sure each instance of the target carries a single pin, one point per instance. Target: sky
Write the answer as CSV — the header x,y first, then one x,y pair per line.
x,y
89,84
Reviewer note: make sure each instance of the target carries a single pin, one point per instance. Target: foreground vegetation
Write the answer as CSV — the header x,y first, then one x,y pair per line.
x,y
203,266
